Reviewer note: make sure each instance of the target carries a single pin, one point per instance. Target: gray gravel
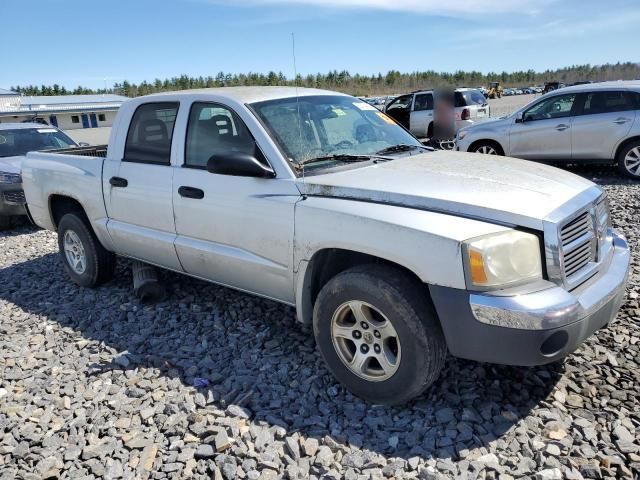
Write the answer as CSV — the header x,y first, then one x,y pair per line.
x,y
95,385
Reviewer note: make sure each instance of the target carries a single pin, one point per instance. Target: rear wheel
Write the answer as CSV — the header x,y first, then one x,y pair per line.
x,y
84,258
629,160
487,148
378,333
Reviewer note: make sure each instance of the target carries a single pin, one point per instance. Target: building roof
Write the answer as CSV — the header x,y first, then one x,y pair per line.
x,y
24,126
7,92
70,99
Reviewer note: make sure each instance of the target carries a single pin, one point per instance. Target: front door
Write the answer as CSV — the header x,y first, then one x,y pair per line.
x,y
85,120
138,188
603,120
545,130
236,231
400,110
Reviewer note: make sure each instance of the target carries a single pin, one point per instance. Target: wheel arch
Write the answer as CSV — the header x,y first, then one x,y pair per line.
x,y
623,144
60,205
326,264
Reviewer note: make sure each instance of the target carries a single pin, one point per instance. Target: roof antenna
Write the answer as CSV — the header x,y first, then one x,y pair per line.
x,y
295,80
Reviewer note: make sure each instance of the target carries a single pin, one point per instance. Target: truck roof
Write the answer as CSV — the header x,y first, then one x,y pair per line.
x,y
249,94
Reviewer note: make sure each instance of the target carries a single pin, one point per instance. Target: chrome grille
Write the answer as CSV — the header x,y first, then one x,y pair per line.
x,y
15,197
577,245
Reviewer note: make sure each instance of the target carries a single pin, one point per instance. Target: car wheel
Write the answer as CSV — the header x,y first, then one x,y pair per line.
x,y
84,258
379,334
487,148
629,160
5,222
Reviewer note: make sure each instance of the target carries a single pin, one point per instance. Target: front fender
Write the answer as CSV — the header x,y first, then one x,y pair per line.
x,y
426,243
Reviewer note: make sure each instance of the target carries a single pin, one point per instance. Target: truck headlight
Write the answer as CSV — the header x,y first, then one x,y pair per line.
x,y
502,259
6,177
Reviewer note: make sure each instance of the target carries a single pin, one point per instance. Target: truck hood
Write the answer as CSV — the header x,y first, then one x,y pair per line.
x,y
11,164
501,189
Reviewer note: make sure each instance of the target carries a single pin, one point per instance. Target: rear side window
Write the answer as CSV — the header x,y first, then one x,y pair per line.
x,y
423,101
150,133
608,102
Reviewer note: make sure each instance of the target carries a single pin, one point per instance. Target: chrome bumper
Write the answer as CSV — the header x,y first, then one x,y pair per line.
x,y
555,307
532,328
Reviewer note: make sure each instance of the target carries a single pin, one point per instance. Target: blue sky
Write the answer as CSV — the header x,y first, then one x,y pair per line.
x,y
82,42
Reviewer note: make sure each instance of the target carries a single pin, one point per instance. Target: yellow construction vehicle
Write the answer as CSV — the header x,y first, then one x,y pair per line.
x,y
495,90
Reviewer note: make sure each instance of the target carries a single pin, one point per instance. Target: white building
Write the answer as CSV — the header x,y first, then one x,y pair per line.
x,y
67,112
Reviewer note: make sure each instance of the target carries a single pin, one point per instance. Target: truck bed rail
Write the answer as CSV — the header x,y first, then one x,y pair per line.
x,y
93,151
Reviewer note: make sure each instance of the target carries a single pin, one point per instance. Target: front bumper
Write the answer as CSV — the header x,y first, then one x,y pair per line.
x,y
531,328
12,199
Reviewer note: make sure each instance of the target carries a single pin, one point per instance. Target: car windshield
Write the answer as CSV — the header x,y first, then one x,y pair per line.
x,y
330,126
19,141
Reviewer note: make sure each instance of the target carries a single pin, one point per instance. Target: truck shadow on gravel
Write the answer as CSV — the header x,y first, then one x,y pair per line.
x,y
252,352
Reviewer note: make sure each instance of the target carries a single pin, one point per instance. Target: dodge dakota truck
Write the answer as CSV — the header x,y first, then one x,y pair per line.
x,y
396,255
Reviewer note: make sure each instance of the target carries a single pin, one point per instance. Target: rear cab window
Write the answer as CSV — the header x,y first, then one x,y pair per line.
x,y
150,133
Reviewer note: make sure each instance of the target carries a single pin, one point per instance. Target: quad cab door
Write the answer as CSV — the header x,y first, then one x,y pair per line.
x,y
138,188
232,229
544,131
604,119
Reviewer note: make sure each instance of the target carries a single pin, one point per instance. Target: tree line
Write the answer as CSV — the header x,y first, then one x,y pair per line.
x,y
356,84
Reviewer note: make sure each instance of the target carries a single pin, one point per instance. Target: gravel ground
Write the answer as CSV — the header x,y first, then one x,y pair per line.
x,y
216,384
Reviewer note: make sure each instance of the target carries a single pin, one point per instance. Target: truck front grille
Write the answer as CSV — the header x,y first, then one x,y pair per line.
x,y
15,197
583,243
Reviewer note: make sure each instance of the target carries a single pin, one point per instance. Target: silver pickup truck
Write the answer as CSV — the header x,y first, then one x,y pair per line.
x,y
396,254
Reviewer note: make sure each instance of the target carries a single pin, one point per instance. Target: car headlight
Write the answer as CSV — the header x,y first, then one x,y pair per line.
x,y
462,134
6,177
502,259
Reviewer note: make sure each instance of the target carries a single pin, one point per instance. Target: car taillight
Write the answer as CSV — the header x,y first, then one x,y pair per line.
x,y
466,114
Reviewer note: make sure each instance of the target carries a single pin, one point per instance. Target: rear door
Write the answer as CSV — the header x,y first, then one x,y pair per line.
x,y
545,132
603,120
232,230
138,188
421,114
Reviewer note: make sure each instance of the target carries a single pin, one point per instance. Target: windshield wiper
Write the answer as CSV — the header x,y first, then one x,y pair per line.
x,y
401,147
343,157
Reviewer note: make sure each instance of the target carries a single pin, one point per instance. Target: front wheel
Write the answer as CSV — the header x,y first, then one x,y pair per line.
x,y
84,258
629,160
487,148
378,333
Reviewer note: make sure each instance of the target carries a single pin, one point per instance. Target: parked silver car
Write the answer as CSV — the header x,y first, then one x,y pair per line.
x,y
16,139
414,110
597,122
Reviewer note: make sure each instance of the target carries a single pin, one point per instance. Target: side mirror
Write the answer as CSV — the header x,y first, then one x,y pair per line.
x,y
239,165
519,117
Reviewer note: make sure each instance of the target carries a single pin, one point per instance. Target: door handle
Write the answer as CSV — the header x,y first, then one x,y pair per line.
x,y
118,182
562,127
621,120
191,192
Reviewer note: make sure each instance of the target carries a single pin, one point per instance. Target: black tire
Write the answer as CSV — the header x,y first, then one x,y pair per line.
x,y
5,222
100,264
631,149
405,303
486,147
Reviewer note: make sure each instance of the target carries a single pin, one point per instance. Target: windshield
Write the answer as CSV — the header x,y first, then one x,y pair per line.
x,y
331,125
22,140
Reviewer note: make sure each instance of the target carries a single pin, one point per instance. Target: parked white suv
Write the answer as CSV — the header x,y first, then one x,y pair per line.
x,y
597,122
414,111
394,253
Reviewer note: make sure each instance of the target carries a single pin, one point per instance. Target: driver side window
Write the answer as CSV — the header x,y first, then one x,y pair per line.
x,y
213,130
558,106
403,102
